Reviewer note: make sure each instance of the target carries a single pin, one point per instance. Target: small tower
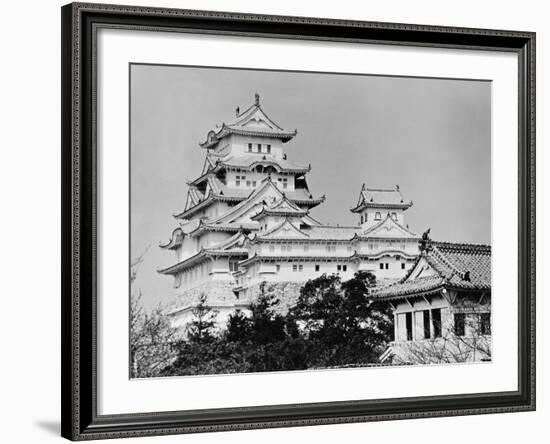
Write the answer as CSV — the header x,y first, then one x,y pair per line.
x,y
376,204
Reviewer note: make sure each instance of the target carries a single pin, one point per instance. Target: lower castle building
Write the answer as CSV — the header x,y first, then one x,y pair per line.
x,y
246,225
442,306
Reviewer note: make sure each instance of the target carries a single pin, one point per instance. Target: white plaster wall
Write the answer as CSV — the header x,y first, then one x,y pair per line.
x,y
370,214
239,145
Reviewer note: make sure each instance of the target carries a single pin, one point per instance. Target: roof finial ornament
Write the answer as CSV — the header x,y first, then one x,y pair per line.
x,y
237,111
397,187
257,99
424,243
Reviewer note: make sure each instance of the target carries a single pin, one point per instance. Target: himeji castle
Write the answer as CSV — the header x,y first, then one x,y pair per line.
x,y
246,227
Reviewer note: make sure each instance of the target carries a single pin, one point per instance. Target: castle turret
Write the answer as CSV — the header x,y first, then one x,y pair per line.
x,y
376,204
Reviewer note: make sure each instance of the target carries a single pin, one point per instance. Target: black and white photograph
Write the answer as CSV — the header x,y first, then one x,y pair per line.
x,y
293,221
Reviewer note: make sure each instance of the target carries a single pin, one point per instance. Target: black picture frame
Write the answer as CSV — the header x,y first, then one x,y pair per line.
x,y
79,171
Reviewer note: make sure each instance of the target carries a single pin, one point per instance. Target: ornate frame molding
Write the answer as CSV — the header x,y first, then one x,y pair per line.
x,y
80,22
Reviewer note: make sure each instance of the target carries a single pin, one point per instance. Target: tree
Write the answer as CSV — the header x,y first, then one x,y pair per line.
x,y
202,327
152,340
151,337
342,322
239,328
334,323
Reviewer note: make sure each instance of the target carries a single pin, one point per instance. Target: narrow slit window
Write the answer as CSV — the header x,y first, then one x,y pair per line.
x,y
409,325
436,322
426,316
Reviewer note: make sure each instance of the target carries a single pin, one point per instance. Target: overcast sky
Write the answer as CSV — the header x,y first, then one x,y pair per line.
x,y
430,136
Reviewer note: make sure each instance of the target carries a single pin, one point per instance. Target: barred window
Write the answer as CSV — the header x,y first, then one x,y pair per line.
x,y
460,324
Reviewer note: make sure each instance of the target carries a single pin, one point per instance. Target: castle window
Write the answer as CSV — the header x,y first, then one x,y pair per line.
x,y
436,322
317,267
361,218
402,265
394,216
248,183
268,149
278,268
300,267
238,181
460,324
344,268
387,266
249,147
259,147
485,323
339,268
409,325
426,319
381,266
233,265
378,216
254,184
331,248
294,267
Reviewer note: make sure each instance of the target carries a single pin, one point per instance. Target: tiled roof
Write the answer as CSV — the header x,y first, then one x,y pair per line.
x,y
455,265
199,257
371,232
246,162
249,161
228,227
300,196
330,232
381,197
282,208
456,260
253,121
421,285
313,233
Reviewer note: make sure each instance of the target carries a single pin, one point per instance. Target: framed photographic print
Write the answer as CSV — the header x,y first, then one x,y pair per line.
x,y
279,221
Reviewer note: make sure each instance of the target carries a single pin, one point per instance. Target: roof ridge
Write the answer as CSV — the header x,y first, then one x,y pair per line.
x,y
336,226
460,246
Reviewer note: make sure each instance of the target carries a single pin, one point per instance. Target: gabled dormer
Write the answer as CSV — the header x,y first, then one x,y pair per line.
x,y
249,132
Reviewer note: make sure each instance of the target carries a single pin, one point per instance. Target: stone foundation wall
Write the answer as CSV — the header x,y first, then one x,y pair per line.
x,y
221,294
217,293
286,292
